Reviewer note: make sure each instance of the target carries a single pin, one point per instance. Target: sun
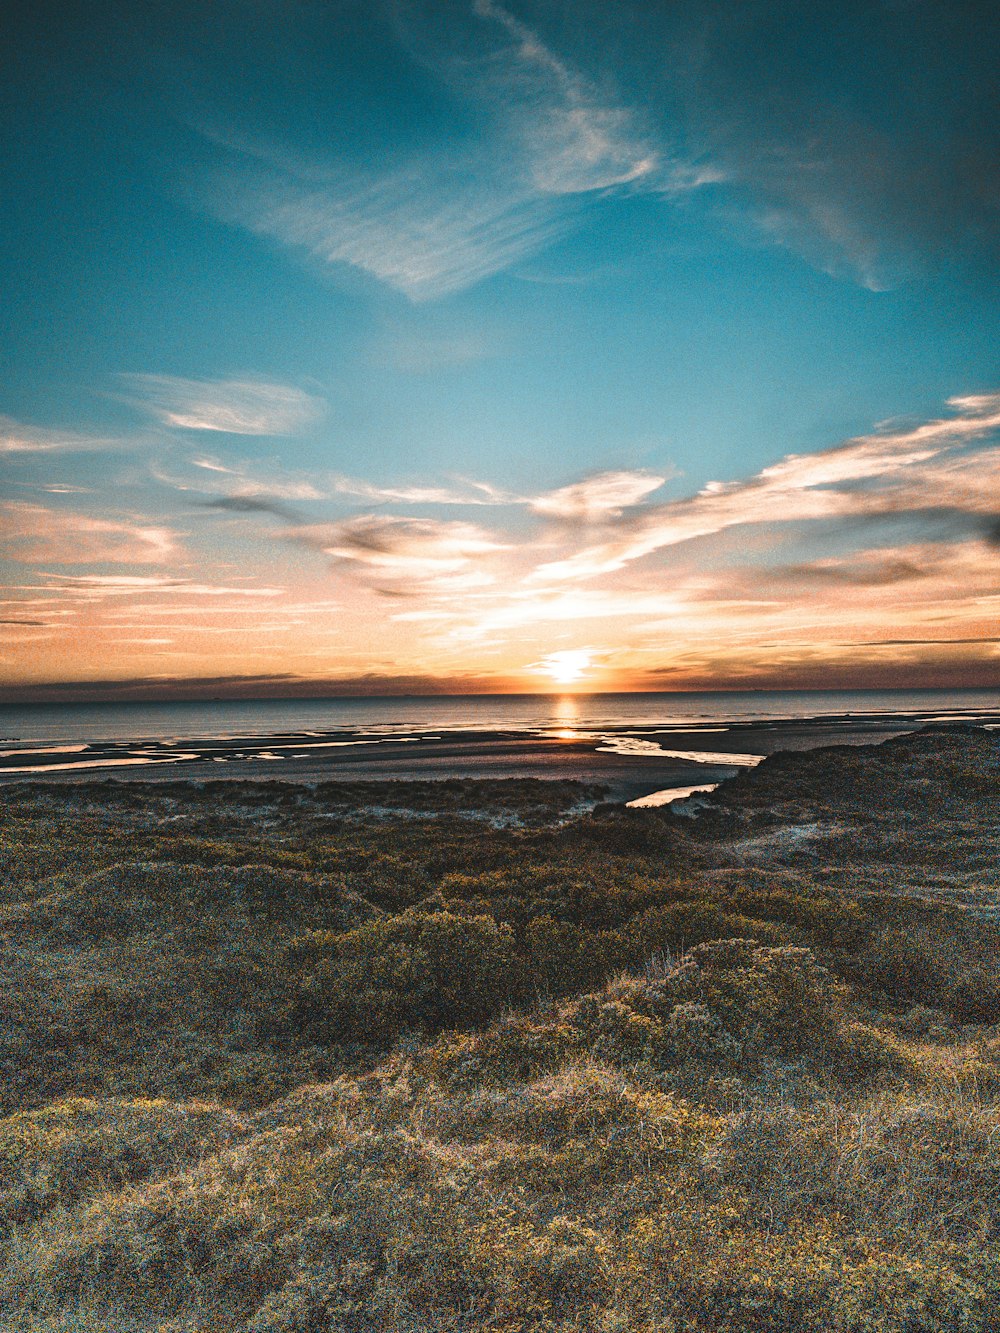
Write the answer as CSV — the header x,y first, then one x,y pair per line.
x,y
566,667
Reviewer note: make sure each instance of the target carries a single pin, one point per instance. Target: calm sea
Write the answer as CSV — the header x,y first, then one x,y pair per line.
x,y
481,712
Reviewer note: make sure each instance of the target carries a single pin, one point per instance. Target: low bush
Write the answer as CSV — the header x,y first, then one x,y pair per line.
x,y
276,1065
415,970
50,1159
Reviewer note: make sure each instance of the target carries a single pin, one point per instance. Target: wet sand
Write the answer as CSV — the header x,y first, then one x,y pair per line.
x,y
630,762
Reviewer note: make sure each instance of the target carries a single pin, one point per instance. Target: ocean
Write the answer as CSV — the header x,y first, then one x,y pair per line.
x,y
49,723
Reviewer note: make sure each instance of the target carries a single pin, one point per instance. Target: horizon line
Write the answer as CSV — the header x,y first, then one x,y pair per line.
x,y
207,698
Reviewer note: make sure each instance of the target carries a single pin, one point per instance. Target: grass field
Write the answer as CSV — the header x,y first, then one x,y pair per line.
x,y
452,1056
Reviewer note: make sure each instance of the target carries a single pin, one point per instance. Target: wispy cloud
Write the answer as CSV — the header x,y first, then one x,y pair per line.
x,y
241,481
932,573
250,488
432,223
897,643
908,509
411,229
16,438
889,472
631,97
878,540
53,536
575,140
401,555
517,609
836,159
463,493
232,406
602,496
905,510
127,585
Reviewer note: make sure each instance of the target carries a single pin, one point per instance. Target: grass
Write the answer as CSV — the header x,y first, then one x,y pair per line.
x,y
272,1064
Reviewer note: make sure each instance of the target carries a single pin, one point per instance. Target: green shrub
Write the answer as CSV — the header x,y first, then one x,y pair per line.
x,y
563,958
415,970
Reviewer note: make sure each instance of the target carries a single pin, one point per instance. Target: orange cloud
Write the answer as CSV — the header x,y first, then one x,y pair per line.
x,y
58,537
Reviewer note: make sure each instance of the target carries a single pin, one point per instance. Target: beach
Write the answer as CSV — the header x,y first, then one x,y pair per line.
x,y
628,761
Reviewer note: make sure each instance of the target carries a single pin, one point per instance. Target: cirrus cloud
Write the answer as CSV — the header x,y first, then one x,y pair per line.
x,y
16,438
231,406
59,537
433,222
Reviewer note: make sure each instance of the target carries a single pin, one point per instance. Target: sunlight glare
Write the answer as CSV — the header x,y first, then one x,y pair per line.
x,y
567,666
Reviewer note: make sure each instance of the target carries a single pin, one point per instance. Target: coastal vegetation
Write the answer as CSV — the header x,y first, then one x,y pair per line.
x,y
497,1056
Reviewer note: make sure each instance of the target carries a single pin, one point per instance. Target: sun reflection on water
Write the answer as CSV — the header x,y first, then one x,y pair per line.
x,y
566,714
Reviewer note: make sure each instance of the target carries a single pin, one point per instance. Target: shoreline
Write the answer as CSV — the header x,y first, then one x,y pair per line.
x,y
630,762
654,761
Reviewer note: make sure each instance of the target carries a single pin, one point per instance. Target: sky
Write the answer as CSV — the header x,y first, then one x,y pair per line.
x,y
364,347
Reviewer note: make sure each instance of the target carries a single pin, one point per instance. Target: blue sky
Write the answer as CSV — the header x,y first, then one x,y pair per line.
x,y
388,345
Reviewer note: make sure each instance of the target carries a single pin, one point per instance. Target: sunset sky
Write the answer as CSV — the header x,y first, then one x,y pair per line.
x,y
474,346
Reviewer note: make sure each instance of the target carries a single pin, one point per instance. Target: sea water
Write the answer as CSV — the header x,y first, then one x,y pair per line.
x,y
418,715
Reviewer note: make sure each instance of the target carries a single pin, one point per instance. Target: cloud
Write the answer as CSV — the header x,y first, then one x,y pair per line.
x,y
281,685
16,438
242,484
602,496
919,496
781,613
916,572
575,140
874,159
402,554
432,221
52,536
99,586
252,504
888,473
882,572
410,229
245,489
472,493
235,406
899,643
144,688
590,500
519,609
